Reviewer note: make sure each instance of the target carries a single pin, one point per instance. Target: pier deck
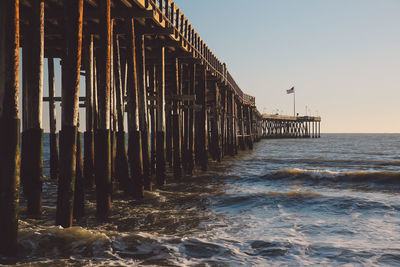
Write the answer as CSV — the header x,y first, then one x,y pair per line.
x,y
281,126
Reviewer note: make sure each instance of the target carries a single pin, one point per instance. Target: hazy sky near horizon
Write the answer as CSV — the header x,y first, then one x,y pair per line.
x,y
342,56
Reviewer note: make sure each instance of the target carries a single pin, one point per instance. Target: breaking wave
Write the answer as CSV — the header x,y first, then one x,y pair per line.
x,y
385,177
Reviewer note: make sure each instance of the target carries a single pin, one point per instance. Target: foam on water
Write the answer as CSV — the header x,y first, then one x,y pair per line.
x,y
331,201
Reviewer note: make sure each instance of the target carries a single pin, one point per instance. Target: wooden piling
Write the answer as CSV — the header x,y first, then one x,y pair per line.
x,y
191,121
201,119
113,113
103,135
319,129
184,84
234,124
241,127
9,126
135,144
153,91
224,120
121,165
143,114
160,143
176,123
90,113
231,123
79,193
249,127
52,121
216,124
70,106
32,136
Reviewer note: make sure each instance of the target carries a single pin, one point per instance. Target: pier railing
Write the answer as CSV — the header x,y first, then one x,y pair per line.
x,y
167,14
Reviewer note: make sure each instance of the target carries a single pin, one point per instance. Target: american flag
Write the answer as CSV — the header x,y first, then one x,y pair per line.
x,y
290,91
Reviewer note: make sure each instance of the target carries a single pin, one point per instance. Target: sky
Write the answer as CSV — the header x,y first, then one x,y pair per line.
x,y
342,57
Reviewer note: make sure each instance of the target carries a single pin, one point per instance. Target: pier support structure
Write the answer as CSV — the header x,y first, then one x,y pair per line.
x,y
144,66
9,126
278,126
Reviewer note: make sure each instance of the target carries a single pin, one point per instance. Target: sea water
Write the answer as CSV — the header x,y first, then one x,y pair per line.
x,y
329,201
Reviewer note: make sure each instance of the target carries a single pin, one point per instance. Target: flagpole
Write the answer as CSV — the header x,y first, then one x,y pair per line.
x,y
294,103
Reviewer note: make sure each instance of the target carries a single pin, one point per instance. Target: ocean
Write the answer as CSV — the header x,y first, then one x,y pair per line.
x,y
293,202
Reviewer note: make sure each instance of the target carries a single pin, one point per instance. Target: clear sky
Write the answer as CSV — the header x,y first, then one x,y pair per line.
x,y
342,56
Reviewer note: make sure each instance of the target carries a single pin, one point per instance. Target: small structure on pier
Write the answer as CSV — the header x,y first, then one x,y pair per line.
x,y
281,126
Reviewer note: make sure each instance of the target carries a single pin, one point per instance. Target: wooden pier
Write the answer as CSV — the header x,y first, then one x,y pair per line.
x,y
147,72
280,126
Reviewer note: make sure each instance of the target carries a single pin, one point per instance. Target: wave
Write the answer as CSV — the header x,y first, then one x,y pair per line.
x,y
55,241
385,177
333,162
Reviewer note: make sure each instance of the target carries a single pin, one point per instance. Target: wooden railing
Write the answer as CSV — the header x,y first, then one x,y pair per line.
x,y
289,118
249,100
170,16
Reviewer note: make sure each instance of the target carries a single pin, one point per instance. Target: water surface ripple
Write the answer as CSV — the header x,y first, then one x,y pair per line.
x,y
329,201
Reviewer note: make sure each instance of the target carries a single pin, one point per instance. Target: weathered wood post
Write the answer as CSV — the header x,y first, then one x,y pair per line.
x,y
215,123
160,143
90,113
79,194
234,123
241,127
135,144
153,88
121,165
191,122
201,118
176,122
231,123
250,126
314,129
9,126
102,135
143,114
70,106
319,129
168,134
32,136
185,84
113,115
224,123
52,115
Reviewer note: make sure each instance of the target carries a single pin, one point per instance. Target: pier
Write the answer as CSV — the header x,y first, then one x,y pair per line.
x,y
280,126
147,72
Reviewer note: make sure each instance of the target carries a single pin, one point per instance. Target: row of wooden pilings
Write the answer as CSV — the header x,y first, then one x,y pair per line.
x,y
178,113
300,127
